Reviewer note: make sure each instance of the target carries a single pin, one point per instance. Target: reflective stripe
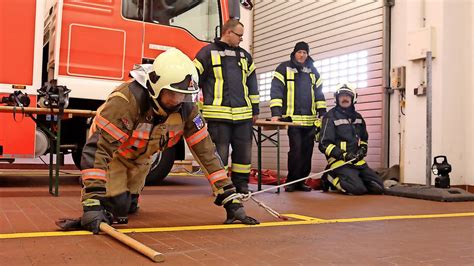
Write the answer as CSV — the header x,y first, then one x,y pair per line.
x,y
343,145
336,182
341,122
198,66
341,162
216,176
90,202
174,137
226,112
94,173
241,168
363,142
313,103
347,122
279,77
232,117
251,69
255,98
290,95
321,104
304,120
219,84
110,128
244,66
276,102
319,82
197,137
337,164
329,149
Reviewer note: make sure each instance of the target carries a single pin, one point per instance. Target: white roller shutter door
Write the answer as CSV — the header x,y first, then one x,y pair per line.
x,y
346,41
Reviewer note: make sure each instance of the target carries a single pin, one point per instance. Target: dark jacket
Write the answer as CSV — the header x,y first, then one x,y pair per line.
x,y
228,82
296,92
343,131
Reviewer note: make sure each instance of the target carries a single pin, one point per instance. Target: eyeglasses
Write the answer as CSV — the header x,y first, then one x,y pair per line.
x,y
240,35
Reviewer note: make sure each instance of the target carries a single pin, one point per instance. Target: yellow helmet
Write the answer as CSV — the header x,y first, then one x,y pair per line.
x,y
346,88
174,71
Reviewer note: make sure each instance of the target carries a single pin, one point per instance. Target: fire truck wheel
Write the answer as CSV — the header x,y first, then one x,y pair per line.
x,y
161,166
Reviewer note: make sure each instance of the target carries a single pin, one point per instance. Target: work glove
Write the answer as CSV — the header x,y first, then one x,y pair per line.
x,y
235,209
349,156
93,216
361,152
235,212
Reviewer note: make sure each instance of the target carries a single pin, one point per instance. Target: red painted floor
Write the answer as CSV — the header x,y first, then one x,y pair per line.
x,y
26,206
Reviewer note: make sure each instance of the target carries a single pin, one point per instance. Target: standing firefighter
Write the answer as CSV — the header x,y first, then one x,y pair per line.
x,y
229,85
296,93
139,118
343,138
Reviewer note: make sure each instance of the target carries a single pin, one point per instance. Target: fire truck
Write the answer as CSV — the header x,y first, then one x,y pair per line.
x,y
90,46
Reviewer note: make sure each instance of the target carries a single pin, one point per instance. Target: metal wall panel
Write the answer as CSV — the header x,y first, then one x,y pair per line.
x,y
332,29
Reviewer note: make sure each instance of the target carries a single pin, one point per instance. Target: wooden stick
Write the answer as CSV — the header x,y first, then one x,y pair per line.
x,y
150,253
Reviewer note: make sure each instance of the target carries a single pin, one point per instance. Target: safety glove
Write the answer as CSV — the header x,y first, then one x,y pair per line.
x,y
94,215
349,156
361,153
234,208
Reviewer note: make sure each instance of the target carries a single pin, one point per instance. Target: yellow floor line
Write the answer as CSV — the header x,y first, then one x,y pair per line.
x,y
302,217
305,220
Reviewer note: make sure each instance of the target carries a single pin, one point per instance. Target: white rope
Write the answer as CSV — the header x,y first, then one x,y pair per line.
x,y
250,195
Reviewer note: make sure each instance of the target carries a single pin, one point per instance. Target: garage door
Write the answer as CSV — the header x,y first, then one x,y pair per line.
x,y
346,42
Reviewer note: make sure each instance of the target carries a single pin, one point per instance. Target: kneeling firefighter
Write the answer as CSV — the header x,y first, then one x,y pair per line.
x,y
148,114
344,138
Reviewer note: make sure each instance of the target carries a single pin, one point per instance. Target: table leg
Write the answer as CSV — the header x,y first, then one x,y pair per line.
x,y
278,158
50,166
259,152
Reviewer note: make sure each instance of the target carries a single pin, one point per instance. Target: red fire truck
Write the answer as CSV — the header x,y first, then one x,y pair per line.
x,y
90,46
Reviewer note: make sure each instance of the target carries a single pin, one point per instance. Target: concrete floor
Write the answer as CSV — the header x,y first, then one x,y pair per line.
x,y
179,220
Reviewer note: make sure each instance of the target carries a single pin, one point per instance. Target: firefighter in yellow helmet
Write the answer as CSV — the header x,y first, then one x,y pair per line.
x,y
344,137
141,117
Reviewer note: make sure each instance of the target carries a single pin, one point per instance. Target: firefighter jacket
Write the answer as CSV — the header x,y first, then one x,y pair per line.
x,y
126,129
296,92
228,82
343,131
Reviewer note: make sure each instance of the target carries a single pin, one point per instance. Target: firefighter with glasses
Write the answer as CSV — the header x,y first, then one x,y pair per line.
x,y
344,138
296,95
229,86
141,117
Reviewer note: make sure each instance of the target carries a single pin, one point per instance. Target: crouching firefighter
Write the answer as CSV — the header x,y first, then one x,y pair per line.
x,y
148,114
344,138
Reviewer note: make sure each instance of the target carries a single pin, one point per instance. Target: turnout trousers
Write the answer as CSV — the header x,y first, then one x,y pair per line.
x,y
239,137
301,151
356,180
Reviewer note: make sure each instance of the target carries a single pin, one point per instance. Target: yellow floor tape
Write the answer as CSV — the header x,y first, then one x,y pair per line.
x,y
302,220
